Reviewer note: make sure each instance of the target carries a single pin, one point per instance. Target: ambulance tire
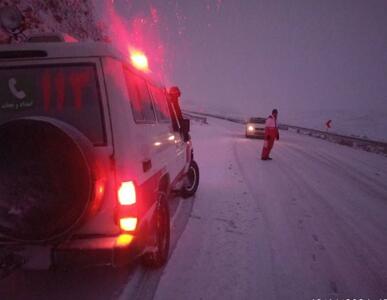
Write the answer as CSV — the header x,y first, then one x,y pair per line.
x,y
158,258
193,181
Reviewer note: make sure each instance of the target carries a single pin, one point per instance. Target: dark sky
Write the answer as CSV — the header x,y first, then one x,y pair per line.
x,y
301,56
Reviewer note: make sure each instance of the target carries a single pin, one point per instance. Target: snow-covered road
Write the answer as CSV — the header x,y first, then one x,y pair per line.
x,y
312,223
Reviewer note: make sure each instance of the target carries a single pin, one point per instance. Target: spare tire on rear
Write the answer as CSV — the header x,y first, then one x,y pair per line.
x,y
46,181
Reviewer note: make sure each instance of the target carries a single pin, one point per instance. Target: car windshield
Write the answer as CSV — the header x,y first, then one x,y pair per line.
x,y
257,120
68,93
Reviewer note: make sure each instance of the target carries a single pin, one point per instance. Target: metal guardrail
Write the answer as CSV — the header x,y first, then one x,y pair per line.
x,y
354,142
200,119
227,118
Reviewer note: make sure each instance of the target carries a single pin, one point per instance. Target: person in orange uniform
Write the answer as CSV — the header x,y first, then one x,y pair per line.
x,y
271,134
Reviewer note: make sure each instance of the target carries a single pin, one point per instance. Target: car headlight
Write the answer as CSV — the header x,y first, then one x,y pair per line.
x,y
250,128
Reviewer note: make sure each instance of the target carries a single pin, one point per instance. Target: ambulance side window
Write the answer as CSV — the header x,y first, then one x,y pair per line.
x,y
161,105
140,98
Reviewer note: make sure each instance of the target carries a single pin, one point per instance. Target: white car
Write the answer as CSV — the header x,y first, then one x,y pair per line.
x,y
91,149
255,127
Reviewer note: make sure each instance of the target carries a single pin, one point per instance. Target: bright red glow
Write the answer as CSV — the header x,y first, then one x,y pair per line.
x,y
78,82
56,84
127,193
142,31
100,188
139,60
99,192
128,224
69,39
60,88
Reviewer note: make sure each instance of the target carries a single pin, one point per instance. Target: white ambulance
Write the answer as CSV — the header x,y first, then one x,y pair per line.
x,y
91,150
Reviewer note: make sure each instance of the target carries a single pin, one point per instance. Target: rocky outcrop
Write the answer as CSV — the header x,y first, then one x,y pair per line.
x,y
72,17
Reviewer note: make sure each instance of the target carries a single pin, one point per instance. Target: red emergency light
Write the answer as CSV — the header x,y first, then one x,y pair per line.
x,y
139,60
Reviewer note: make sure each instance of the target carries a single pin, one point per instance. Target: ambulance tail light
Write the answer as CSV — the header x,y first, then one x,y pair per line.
x,y
127,193
127,199
128,224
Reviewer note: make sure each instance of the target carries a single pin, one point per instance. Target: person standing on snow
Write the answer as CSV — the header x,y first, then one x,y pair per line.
x,y
271,134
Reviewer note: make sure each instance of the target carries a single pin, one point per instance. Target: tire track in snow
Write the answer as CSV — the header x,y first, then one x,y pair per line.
x,y
334,174
323,226
348,170
281,235
144,282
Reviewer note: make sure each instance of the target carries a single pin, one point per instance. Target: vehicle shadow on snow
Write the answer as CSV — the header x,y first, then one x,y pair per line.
x,y
87,283
93,282
242,137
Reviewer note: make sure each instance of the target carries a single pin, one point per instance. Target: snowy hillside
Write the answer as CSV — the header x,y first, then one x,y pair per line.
x,y
73,17
371,124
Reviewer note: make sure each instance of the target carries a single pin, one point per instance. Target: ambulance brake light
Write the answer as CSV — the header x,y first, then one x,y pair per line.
x,y
127,193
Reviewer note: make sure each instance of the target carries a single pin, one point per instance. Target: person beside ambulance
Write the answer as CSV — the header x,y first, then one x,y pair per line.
x,y
271,134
